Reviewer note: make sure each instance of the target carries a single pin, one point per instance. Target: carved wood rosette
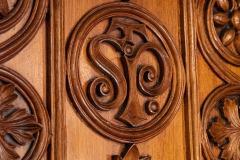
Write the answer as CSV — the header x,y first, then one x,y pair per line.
x,y
15,121
116,88
218,36
221,122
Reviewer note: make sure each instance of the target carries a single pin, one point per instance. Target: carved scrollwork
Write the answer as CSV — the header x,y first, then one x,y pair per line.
x,y
218,35
221,124
21,126
119,89
9,19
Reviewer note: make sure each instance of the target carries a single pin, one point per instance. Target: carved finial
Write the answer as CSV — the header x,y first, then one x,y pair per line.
x,y
130,152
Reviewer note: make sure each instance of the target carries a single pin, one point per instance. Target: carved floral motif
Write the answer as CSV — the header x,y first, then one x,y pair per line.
x,y
221,131
130,153
18,124
230,19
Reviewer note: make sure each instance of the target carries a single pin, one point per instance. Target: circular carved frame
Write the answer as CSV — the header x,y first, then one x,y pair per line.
x,y
39,145
216,96
210,43
16,43
84,106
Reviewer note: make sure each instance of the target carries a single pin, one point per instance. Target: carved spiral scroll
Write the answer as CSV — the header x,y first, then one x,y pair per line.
x,y
148,73
220,130
119,89
21,126
110,70
16,43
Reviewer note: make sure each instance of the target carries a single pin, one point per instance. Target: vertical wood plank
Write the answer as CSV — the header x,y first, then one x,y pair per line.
x,y
58,146
191,99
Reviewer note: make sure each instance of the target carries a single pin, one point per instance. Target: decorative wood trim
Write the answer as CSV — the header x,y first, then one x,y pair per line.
x,y
81,102
57,72
40,144
16,43
191,99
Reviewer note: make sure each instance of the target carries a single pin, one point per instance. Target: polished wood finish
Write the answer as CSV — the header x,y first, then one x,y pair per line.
x,y
119,79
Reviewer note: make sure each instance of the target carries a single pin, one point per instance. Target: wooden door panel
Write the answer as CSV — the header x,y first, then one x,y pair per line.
x,y
114,80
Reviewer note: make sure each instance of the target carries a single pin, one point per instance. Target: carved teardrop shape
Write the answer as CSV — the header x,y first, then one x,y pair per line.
x,y
228,37
236,19
4,9
220,19
237,43
223,4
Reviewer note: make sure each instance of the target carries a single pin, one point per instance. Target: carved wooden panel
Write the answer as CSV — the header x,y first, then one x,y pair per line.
x,y
218,29
117,87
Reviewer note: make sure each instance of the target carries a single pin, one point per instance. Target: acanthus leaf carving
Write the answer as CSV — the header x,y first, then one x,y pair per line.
x,y
18,124
221,131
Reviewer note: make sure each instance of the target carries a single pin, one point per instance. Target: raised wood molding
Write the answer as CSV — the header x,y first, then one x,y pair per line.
x,y
191,95
57,77
16,43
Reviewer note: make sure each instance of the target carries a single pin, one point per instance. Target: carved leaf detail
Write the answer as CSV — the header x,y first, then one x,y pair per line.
x,y
220,131
19,125
7,96
131,153
4,9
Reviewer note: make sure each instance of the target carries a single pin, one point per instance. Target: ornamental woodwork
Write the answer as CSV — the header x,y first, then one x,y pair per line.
x,y
119,89
112,67
218,29
130,152
15,122
24,121
9,19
